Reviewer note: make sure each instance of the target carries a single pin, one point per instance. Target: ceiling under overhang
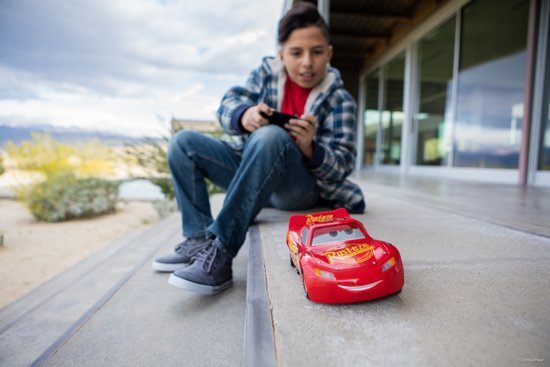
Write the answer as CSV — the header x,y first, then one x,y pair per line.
x,y
360,30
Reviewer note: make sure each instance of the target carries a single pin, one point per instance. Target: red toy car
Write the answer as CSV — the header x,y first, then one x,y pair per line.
x,y
339,261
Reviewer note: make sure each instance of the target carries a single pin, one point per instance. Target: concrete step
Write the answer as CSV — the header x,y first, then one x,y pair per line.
x,y
34,326
150,323
523,208
113,309
476,292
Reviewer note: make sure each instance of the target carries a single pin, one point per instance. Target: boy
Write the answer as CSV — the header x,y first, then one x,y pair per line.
x,y
296,168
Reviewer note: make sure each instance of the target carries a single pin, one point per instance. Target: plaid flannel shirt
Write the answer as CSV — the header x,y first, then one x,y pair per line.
x,y
329,102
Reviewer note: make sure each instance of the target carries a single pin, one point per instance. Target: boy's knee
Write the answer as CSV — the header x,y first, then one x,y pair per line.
x,y
179,142
269,137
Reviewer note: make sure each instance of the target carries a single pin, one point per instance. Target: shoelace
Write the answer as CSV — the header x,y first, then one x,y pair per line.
x,y
191,245
207,256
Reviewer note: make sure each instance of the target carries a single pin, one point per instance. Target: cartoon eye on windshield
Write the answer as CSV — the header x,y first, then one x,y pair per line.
x,y
338,233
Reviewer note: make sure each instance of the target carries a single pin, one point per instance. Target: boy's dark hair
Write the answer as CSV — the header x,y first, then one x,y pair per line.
x,y
301,15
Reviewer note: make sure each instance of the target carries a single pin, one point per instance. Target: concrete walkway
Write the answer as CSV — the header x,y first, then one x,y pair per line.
x,y
150,323
477,292
112,309
477,282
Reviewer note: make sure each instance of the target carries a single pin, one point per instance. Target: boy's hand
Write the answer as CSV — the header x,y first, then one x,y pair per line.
x,y
252,120
303,130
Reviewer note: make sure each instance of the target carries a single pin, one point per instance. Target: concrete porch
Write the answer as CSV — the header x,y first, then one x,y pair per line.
x,y
477,292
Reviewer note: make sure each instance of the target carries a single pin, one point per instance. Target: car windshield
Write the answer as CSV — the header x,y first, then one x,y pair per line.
x,y
337,233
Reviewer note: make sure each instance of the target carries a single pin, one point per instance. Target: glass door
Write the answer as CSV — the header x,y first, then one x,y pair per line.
x,y
392,114
371,119
435,82
491,84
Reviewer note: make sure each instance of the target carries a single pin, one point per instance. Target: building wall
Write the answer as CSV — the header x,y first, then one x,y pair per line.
x,y
204,126
454,98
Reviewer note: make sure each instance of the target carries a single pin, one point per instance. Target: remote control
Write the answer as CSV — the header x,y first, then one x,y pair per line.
x,y
278,118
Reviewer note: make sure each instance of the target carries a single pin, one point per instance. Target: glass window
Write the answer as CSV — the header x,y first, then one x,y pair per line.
x,y
491,84
392,115
545,146
435,75
544,160
371,118
304,236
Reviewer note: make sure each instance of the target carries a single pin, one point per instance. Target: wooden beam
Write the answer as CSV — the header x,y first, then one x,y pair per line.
x,y
372,16
360,37
347,66
351,54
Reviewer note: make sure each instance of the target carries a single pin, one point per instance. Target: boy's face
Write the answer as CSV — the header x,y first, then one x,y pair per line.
x,y
305,56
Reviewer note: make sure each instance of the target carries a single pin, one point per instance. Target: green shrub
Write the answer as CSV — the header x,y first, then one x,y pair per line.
x,y
64,197
2,169
213,188
71,186
47,156
166,186
150,154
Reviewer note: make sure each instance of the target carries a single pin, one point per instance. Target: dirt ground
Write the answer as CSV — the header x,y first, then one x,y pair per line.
x,y
34,252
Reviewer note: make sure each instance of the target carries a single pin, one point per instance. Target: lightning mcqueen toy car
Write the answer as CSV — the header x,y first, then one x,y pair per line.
x,y
339,261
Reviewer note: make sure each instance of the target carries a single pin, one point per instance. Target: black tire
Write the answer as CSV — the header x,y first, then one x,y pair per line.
x,y
305,289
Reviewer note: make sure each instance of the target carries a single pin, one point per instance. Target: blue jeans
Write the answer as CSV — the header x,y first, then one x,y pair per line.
x,y
270,171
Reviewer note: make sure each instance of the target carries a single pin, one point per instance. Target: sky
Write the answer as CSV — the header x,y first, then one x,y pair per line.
x,y
127,65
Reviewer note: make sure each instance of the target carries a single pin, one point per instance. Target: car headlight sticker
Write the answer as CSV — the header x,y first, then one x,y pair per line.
x,y
323,274
388,264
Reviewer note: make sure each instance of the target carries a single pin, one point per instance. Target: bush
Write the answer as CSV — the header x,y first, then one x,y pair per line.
x,y
2,169
64,197
71,186
166,186
49,157
150,154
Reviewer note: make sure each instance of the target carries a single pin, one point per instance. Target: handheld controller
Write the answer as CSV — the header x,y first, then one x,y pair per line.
x,y
278,118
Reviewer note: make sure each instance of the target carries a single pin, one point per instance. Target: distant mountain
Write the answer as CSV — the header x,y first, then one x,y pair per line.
x,y
17,134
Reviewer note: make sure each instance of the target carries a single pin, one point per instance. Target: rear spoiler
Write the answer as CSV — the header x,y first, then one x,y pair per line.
x,y
297,221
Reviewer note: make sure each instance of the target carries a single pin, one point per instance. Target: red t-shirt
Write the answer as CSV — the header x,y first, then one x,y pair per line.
x,y
294,99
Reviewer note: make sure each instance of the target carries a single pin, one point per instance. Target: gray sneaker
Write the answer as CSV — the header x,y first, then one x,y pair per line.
x,y
210,272
182,256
